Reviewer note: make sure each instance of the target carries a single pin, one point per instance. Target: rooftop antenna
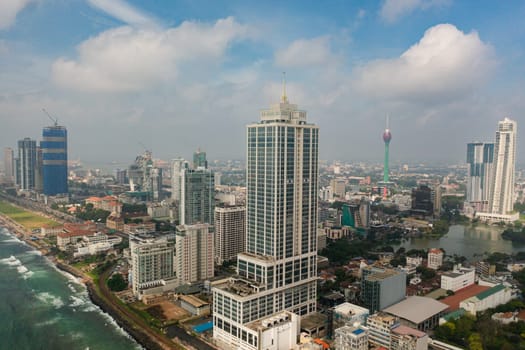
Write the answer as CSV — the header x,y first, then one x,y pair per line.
x,y
284,99
55,120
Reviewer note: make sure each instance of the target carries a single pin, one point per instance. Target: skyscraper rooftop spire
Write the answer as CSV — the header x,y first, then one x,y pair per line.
x,y
284,98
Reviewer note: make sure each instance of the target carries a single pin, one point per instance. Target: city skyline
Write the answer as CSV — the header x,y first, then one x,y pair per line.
x,y
452,73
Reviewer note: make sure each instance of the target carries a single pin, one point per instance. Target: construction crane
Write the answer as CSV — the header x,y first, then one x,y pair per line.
x,y
55,120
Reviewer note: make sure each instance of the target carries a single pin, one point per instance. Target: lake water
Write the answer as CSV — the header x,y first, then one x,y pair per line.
x,y
469,241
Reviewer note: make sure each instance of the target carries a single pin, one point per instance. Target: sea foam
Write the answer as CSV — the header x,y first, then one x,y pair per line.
x,y
50,299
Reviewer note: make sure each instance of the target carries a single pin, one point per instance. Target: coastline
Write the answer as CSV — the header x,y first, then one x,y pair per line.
x,y
133,331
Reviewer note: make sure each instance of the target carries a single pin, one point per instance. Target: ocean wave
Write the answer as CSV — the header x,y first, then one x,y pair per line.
x,y
22,269
34,252
11,240
14,262
49,322
11,261
72,288
50,299
77,301
27,274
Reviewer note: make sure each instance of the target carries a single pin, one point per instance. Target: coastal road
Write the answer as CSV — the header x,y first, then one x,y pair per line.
x,y
175,331
134,319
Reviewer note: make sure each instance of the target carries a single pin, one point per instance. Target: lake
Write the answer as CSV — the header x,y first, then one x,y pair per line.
x,y
466,240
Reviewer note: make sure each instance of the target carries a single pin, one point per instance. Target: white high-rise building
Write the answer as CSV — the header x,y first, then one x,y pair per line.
x,y
502,195
230,232
177,165
278,269
152,265
194,253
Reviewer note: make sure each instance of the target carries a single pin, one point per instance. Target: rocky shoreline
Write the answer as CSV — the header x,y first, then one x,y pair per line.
x,y
141,338
134,332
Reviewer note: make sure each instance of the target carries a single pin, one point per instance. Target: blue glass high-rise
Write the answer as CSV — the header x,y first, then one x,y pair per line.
x,y
54,160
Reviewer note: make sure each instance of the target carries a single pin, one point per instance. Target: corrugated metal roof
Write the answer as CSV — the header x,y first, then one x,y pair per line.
x,y
489,292
416,309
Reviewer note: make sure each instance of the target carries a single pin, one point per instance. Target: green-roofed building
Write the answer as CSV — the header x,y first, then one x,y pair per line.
x,y
490,298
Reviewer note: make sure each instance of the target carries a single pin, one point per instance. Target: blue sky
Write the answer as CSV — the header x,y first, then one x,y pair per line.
x,y
177,75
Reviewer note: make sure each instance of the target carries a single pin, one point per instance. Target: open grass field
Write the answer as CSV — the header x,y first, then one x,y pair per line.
x,y
25,218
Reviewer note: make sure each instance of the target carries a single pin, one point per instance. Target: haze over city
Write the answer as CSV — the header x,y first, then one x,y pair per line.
x,y
175,75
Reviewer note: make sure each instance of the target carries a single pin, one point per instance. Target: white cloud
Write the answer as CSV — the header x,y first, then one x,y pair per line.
x,y
8,11
129,59
392,10
124,12
445,64
305,52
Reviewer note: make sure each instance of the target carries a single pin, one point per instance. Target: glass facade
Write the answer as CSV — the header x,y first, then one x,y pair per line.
x,y
26,164
197,197
54,160
279,268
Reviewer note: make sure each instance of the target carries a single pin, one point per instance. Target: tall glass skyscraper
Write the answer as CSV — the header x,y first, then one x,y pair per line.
x,y
26,164
278,269
480,160
54,160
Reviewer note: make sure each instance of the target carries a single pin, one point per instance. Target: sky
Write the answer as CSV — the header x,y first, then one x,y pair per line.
x,y
175,75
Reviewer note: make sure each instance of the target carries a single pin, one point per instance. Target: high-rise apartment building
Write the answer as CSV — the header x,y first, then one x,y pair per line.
x,y
230,232
54,160
480,160
197,198
177,165
152,264
278,269
199,159
9,164
502,194
26,164
144,176
194,253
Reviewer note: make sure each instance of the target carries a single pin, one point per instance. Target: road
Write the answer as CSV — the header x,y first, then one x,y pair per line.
x,y
175,331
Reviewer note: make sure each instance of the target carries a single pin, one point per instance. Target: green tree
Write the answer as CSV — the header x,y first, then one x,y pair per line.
x,y
117,283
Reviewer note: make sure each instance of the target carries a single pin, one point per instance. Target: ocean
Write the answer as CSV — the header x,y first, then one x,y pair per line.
x,y
46,309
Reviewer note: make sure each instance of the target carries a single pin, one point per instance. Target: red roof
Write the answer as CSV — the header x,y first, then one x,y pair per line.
x,y
323,343
462,294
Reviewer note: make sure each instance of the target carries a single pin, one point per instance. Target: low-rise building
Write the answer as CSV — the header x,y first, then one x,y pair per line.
x,y
459,278
415,261
95,244
351,338
139,228
407,338
349,314
194,305
115,222
490,298
435,258
49,231
107,203
418,312
73,233
380,326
